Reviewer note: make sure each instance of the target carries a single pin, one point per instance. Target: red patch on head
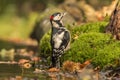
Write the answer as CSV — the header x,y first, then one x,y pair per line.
x,y
51,17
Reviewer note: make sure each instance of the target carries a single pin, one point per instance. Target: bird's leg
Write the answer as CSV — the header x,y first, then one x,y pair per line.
x,y
55,61
58,63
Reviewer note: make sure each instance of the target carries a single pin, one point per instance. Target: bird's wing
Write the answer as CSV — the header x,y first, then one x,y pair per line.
x,y
60,41
65,40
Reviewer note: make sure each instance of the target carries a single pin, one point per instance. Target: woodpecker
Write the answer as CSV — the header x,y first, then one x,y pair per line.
x,y
60,38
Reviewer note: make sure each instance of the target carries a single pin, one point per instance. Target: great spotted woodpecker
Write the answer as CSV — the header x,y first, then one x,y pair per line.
x,y
60,38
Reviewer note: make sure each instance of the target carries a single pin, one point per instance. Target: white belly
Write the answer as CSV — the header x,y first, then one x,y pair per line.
x,y
58,39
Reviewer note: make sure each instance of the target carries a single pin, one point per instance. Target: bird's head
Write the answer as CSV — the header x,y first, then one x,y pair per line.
x,y
57,17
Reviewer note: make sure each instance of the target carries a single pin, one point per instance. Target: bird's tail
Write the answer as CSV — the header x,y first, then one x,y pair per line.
x,y
56,54
55,62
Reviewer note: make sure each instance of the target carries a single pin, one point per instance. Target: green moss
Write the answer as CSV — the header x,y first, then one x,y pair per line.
x,y
87,45
108,55
90,27
45,45
91,43
95,46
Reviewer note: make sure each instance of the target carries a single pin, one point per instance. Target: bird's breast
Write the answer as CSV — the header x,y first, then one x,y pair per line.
x,y
57,38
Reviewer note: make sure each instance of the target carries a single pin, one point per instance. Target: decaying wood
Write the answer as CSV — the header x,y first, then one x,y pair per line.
x,y
113,26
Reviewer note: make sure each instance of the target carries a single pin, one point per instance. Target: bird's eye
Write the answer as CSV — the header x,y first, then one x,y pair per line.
x,y
59,15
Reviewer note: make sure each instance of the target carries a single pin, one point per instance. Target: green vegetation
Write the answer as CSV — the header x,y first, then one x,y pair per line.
x,y
45,47
88,41
96,46
13,26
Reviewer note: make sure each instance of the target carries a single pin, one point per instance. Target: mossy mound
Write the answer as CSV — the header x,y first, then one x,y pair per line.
x,y
88,41
95,46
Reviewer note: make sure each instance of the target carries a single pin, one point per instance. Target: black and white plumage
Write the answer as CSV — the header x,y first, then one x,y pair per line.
x,y
60,38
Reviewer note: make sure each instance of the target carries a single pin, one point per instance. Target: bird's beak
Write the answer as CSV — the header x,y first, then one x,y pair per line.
x,y
64,13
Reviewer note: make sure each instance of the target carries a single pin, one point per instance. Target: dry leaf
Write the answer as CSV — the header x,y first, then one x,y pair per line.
x,y
36,59
86,63
68,66
71,66
97,69
22,61
27,65
18,77
53,70
75,36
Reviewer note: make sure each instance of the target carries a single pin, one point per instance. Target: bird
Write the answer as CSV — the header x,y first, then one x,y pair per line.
x,y
60,38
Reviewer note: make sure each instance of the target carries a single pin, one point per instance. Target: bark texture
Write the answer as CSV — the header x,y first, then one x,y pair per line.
x,y
113,26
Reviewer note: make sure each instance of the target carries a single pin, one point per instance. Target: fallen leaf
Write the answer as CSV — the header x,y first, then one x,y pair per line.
x,y
53,70
75,36
27,65
18,77
22,61
70,66
36,59
86,63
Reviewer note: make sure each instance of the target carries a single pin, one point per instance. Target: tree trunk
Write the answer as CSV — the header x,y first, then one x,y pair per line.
x,y
113,26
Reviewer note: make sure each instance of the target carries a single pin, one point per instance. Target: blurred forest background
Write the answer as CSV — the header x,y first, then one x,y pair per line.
x,y
23,24
19,17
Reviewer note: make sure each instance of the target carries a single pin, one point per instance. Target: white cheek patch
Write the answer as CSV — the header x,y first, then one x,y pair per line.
x,y
56,18
58,39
